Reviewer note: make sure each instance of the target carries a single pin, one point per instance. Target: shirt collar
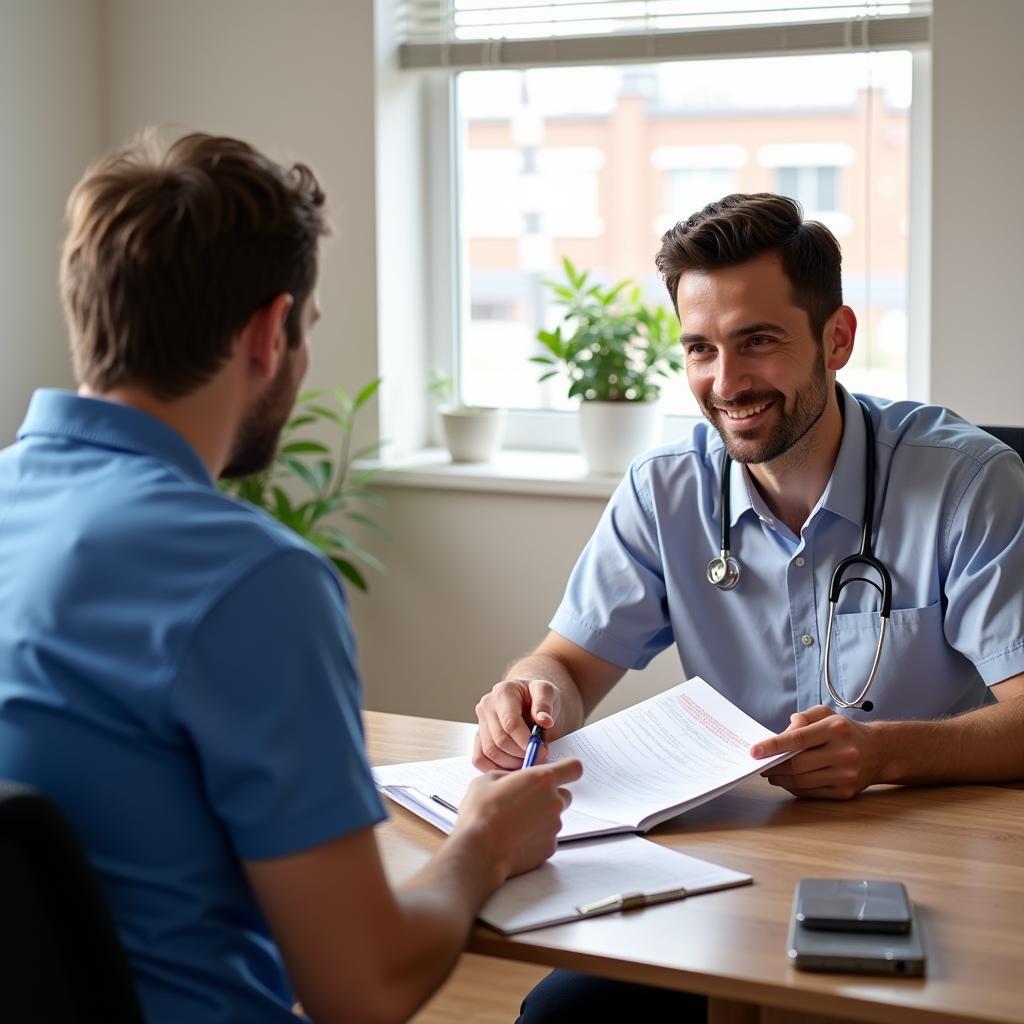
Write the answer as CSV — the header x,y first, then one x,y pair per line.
x,y
844,493
113,425
743,494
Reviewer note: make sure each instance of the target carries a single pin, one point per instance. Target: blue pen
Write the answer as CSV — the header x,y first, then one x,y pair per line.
x,y
536,739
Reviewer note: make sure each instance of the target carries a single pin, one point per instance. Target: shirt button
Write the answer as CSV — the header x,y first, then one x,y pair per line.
x,y
800,561
807,639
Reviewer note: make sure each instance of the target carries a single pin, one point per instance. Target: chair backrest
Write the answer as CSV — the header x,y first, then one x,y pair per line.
x,y
1012,436
60,958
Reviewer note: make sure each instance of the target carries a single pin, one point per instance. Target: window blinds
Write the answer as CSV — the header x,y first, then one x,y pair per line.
x,y
534,33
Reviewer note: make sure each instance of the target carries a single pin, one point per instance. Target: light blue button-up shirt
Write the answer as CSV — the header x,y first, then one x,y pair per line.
x,y
949,526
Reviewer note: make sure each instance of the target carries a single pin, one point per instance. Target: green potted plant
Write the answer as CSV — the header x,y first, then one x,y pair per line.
x,y
472,433
331,485
615,352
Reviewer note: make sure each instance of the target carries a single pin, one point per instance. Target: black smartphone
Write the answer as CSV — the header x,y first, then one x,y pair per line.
x,y
852,905
857,952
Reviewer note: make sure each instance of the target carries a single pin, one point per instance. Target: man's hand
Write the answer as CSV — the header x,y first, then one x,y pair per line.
x,y
515,818
838,758
555,687
503,715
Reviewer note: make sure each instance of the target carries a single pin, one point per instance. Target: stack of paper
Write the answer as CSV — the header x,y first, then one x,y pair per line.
x,y
641,766
585,879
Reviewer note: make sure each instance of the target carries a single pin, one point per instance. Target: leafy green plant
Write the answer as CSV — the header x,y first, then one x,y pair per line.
x,y
612,346
441,386
337,489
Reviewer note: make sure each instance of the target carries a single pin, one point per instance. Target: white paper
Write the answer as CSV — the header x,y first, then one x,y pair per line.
x,y
640,766
414,786
585,872
677,748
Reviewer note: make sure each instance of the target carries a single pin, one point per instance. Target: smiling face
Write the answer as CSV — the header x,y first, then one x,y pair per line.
x,y
761,377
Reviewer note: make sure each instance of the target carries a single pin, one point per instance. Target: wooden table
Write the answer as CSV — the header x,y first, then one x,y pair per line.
x,y
960,851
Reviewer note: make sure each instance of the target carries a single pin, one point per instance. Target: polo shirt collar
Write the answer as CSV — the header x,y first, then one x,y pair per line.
x,y
844,493
95,421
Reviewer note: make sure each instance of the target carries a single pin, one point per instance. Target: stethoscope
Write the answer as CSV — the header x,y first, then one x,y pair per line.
x,y
724,571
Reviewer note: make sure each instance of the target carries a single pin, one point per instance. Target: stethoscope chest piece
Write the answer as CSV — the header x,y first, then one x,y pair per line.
x,y
724,571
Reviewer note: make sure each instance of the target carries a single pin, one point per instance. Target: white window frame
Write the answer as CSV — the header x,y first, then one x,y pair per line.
x,y
558,430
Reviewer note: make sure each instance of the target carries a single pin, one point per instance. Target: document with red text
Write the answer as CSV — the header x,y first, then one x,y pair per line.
x,y
641,766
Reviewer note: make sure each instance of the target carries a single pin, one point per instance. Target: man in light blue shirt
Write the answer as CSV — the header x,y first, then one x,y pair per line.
x,y
758,294
177,670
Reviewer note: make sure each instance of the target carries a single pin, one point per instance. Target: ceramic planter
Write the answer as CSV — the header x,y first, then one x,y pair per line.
x,y
614,433
473,433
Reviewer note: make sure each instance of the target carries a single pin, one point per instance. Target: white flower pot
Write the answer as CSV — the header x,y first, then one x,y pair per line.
x,y
473,433
614,433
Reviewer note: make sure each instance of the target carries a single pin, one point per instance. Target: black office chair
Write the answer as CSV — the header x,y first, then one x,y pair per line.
x,y
60,957
1012,436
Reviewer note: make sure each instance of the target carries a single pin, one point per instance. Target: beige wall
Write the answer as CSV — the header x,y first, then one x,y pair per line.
x,y
474,580
296,79
977,357
49,130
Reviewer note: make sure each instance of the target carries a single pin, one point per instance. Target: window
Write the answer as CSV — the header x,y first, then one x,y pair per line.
x,y
814,188
595,163
564,148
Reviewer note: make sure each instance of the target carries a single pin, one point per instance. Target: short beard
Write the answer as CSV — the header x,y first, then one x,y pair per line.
x,y
257,437
809,404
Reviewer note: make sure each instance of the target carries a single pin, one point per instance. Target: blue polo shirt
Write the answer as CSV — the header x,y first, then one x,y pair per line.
x,y
948,525
177,671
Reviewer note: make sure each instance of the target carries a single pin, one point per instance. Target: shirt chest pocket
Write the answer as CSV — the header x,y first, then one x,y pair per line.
x,y
919,674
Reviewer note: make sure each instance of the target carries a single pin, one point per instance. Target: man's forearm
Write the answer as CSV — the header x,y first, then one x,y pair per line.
x,y
985,745
438,906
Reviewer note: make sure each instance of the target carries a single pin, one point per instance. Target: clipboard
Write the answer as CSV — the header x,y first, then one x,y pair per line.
x,y
590,878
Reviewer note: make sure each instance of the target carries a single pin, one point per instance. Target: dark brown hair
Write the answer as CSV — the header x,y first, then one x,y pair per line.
x,y
740,228
170,252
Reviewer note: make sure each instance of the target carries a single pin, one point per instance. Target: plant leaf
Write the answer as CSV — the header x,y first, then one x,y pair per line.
x,y
365,520
302,471
367,451
329,539
350,572
366,394
304,447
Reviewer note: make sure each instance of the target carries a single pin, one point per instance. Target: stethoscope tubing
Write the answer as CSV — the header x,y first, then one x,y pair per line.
x,y
724,571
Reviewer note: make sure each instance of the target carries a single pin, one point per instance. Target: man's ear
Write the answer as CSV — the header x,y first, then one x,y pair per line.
x,y
840,330
265,336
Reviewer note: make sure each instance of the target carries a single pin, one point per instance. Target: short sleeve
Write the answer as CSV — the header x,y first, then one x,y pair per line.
x,y
269,697
615,604
984,588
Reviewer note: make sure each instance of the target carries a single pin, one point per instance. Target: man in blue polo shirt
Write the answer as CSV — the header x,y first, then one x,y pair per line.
x,y
758,292
177,670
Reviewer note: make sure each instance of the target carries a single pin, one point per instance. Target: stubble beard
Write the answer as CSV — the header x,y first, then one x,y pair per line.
x,y
259,434
809,404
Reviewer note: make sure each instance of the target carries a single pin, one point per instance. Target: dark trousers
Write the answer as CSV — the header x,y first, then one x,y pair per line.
x,y
565,996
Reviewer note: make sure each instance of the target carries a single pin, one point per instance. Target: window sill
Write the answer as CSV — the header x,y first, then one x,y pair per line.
x,y
552,474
